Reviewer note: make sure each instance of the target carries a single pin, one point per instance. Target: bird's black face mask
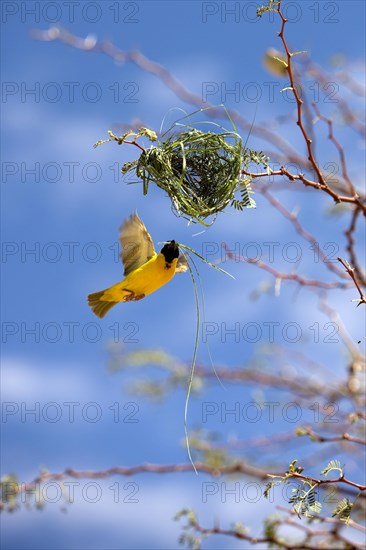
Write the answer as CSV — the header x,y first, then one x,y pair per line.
x,y
170,251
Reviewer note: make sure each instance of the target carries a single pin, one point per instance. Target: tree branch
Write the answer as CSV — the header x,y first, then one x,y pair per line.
x,y
351,273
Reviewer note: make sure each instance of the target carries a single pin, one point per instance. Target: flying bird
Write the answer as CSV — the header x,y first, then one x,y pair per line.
x,y
145,271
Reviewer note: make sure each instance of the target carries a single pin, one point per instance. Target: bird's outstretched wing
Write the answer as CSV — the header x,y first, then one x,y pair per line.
x,y
137,245
182,264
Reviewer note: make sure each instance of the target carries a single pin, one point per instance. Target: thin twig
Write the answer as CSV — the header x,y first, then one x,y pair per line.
x,y
237,468
310,183
324,79
351,273
293,218
334,521
327,439
158,70
338,146
149,66
272,538
351,247
286,276
299,101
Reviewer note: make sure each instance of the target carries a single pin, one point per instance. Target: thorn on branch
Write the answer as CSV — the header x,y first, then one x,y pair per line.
x,y
350,271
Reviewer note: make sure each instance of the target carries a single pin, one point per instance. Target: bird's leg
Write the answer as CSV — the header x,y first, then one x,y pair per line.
x,y
139,297
132,296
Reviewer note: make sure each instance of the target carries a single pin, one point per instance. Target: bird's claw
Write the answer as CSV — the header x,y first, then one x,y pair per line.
x,y
132,296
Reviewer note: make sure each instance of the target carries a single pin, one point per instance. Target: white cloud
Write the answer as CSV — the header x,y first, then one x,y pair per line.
x,y
149,521
27,380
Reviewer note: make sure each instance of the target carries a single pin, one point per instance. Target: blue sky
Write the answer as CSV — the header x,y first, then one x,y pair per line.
x,y
75,201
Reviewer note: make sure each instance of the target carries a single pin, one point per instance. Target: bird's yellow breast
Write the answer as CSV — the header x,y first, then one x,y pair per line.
x,y
150,276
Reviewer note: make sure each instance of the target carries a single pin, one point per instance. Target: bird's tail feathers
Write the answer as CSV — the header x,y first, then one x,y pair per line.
x,y
99,307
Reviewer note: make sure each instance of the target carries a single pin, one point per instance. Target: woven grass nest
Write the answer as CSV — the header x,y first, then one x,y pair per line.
x,y
199,170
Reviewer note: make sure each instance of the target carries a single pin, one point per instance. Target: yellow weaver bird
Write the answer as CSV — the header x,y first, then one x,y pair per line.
x,y
145,271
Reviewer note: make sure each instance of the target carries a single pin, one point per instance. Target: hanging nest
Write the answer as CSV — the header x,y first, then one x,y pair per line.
x,y
200,171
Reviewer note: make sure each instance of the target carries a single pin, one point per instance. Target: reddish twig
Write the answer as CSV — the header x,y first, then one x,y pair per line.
x,y
147,65
320,482
351,250
324,79
158,70
315,184
241,534
300,230
237,468
351,273
334,521
338,146
299,101
327,439
273,538
286,276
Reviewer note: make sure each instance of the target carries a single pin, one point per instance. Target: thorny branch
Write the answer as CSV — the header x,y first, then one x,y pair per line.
x,y
299,101
321,183
348,116
286,276
338,146
310,183
334,521
293,218
351,248
329,439
144,63
147,65
356,364
350,272
237,468
271,537
345,193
